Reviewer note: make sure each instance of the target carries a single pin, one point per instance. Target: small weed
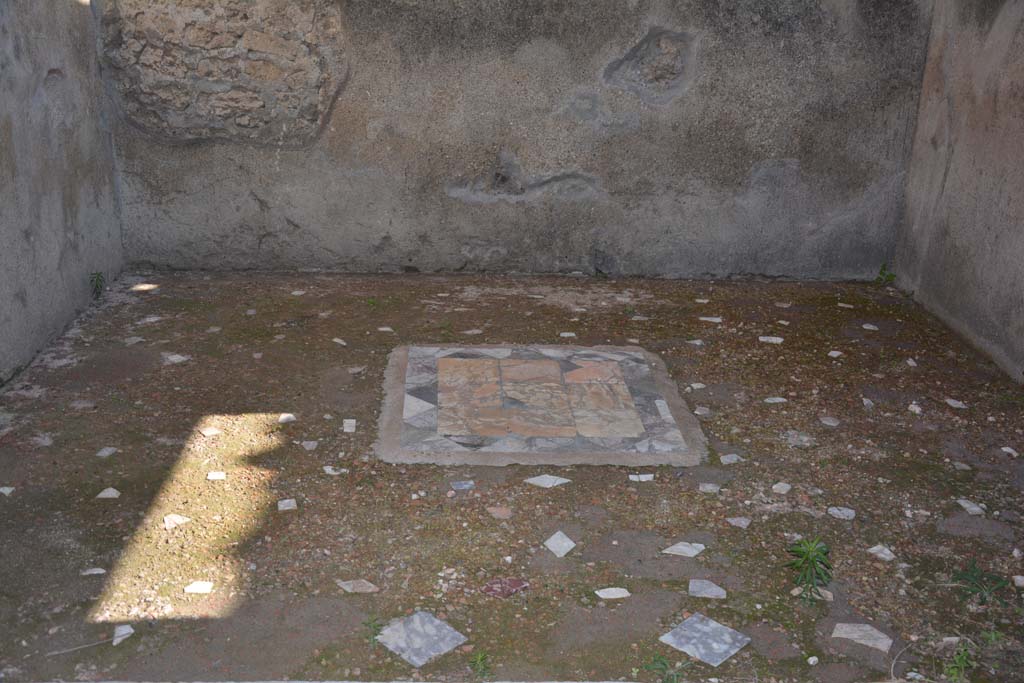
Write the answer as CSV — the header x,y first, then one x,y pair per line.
x,y
812,566
372,303
885,276
667,673
992,637
630,311
982,584
480,663
97,281
373,628
961,664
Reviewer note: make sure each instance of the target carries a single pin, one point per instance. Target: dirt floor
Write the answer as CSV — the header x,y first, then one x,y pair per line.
x,y
163,356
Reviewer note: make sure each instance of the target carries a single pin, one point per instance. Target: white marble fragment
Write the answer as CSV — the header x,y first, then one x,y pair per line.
x,y
864,634
685,549
175,520
559,544
357,586
122,632
199,587
702,588
547,481
971,508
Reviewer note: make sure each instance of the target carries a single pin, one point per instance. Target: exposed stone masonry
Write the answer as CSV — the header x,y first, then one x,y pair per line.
x,y
255,71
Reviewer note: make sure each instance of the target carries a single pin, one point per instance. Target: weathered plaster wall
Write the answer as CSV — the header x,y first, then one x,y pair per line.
x,y
963,249
685,138
58,218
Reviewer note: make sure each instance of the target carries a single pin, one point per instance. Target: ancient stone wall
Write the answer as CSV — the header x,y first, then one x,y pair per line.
x,y
258,72
657,137
962,253
59,222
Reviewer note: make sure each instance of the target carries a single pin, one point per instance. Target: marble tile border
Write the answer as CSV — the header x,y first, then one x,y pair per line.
x,y
688,451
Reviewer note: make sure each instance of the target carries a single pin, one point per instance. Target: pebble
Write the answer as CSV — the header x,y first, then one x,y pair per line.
x,y
829,421
782,488
869,326
1018,581
334,471
775,399
109,493
1009,451
711,319
709,488
953,403
310,445
348,426
882,553
472,332
6,490
740,522
285,418
567,335
216,476
812,660
730,459
385,329
210,432
702,411
287,504
339,342
500,512
915,409
834,354
842,305
770,340
612,593
641,477
106,452
174,358
93,571
842,513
